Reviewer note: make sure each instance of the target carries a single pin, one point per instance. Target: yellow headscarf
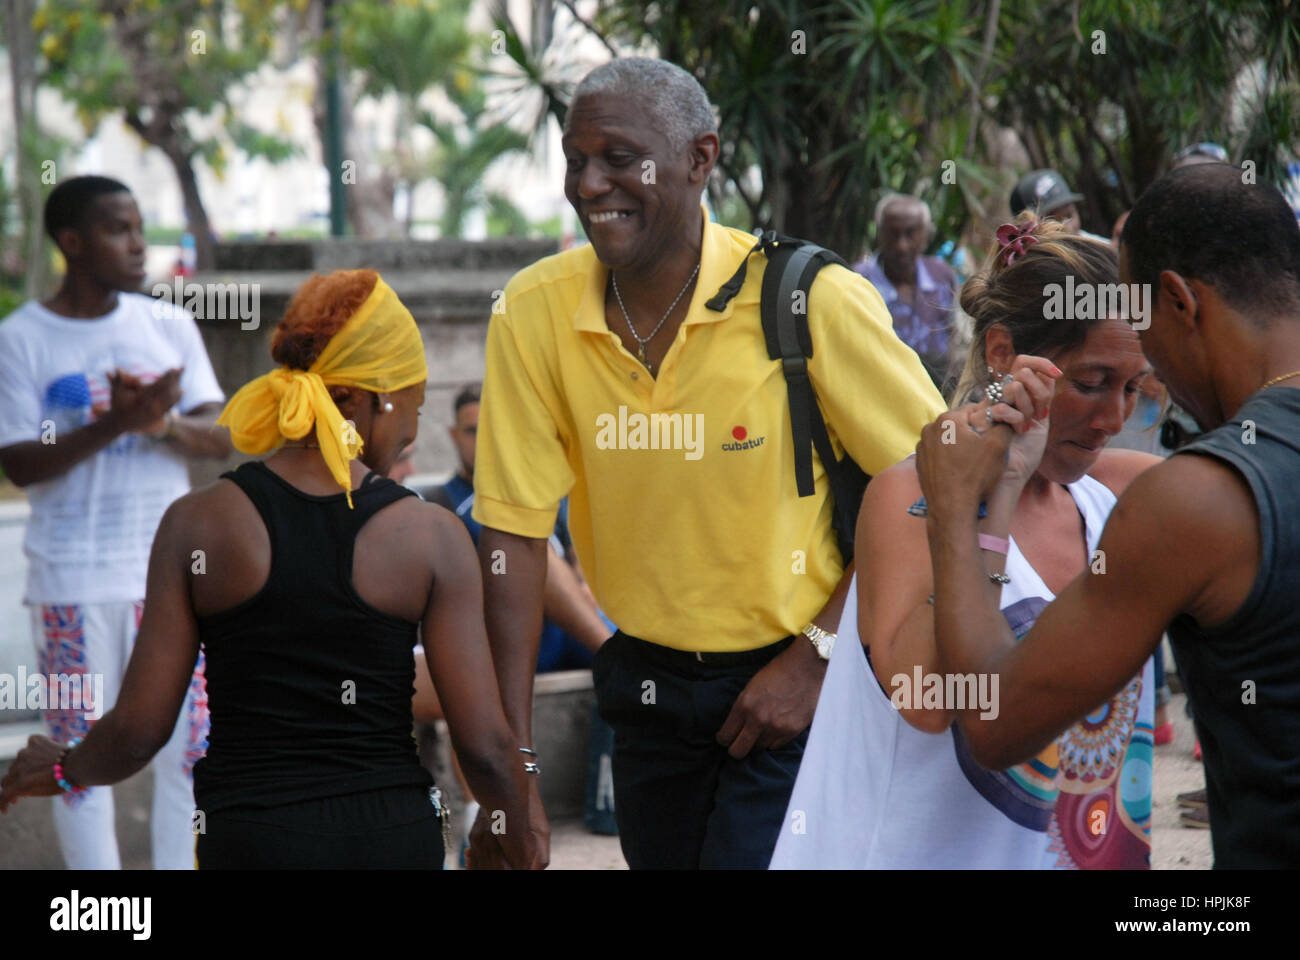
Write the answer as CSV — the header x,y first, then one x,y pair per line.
x,y
379,349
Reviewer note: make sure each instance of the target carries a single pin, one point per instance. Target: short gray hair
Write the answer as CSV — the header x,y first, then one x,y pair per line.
x,y
673,99
905,200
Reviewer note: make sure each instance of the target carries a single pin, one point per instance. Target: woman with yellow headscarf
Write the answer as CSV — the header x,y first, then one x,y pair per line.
x,y
308,578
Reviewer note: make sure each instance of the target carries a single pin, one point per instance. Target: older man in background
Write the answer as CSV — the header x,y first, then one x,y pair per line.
x,y
920,291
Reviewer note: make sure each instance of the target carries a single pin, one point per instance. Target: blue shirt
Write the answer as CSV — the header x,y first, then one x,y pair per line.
x,y
925,326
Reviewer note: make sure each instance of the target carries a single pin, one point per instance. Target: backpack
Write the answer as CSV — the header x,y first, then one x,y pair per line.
x,y
792,265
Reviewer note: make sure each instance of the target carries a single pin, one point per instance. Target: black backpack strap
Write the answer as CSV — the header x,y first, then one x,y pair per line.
x,y
718,302
792,267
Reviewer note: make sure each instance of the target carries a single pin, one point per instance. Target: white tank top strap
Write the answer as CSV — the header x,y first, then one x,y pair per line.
x,y
1094,500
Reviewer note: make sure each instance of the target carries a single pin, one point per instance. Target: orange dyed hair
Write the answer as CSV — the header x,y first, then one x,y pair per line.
x,y
317,311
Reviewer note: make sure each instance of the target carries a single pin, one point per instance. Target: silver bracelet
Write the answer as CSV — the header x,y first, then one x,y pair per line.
x,y
530,767
531,753
1001,579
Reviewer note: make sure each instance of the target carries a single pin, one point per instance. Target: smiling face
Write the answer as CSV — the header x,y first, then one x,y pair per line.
x,y
110,245
1095,394
636,197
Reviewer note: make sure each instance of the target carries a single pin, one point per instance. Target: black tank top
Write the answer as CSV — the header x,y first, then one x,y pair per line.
x,y
309,687
1243,677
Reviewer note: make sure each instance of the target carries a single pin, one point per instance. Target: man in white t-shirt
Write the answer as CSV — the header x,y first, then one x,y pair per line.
x,y
103,394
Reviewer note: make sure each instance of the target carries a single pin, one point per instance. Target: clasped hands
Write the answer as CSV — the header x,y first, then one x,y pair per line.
x,y
966,454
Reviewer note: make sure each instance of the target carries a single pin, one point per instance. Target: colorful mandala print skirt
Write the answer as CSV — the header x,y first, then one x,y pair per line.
x,y
1102,819
1091,789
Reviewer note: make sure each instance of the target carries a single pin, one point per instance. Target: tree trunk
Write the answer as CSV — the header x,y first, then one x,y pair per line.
x,y
27,182
197,217
161,132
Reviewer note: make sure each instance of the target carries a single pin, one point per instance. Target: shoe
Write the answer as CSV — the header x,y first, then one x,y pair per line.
x,y
1196,799
1197,819
1164,734
1196,751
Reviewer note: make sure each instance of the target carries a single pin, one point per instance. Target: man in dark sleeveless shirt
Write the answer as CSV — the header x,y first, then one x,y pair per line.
x,y
1206,544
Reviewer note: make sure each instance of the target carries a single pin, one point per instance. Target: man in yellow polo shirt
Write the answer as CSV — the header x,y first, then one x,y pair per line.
x,y
667,424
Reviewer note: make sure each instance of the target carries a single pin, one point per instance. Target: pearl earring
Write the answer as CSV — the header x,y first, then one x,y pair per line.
x,y
388,406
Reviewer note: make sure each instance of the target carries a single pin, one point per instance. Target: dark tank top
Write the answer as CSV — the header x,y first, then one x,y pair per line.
x,y
1243,677
309,687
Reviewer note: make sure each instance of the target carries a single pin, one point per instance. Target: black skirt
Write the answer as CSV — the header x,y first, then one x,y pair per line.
x,y
391,829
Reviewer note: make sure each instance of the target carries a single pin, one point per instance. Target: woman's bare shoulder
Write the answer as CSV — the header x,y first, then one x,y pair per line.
x,y
1117,468
896,483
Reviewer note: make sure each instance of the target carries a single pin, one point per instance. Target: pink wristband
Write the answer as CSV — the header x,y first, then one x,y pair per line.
x,y
996,544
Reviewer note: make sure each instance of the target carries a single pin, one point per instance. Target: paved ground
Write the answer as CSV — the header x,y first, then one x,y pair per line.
x,y
1173,847
573,847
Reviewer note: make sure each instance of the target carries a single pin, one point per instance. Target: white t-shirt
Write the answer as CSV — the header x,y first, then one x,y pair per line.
x,y
873,792
91,528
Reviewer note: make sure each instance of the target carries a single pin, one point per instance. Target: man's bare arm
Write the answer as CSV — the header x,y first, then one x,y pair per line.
x,y
1183,538
196,433
33,461
514,584
131,409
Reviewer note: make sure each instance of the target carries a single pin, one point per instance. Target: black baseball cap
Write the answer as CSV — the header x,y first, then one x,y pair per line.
x,y
1043,190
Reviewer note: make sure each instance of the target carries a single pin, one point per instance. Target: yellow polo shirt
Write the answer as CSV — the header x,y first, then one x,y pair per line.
x,y
683,504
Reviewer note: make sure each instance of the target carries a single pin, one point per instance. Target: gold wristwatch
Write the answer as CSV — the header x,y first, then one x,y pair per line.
x,y
823,641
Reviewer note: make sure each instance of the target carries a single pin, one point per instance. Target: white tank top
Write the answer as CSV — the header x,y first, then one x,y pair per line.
x,y
874,792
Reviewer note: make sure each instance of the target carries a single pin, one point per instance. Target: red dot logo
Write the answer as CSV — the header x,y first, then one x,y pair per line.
x,y
739,433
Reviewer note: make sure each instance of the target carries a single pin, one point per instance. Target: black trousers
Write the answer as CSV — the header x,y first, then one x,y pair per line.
x,y
389,829
682,801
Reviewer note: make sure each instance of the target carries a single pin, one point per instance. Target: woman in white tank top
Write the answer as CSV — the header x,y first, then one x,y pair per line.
x,y
887,779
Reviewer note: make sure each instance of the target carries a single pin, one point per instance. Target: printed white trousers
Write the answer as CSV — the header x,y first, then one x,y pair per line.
x,y
96,639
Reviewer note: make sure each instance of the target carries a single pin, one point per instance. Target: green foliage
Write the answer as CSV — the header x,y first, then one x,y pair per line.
x,y
156,61
408,48
888,90
832,103
504,219
532,79
464,153
11,298
1171,75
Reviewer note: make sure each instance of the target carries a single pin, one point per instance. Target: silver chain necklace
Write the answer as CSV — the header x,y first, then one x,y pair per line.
x,y
641,343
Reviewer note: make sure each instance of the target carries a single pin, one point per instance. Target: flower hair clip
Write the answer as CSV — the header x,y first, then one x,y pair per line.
x,y
1012,239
